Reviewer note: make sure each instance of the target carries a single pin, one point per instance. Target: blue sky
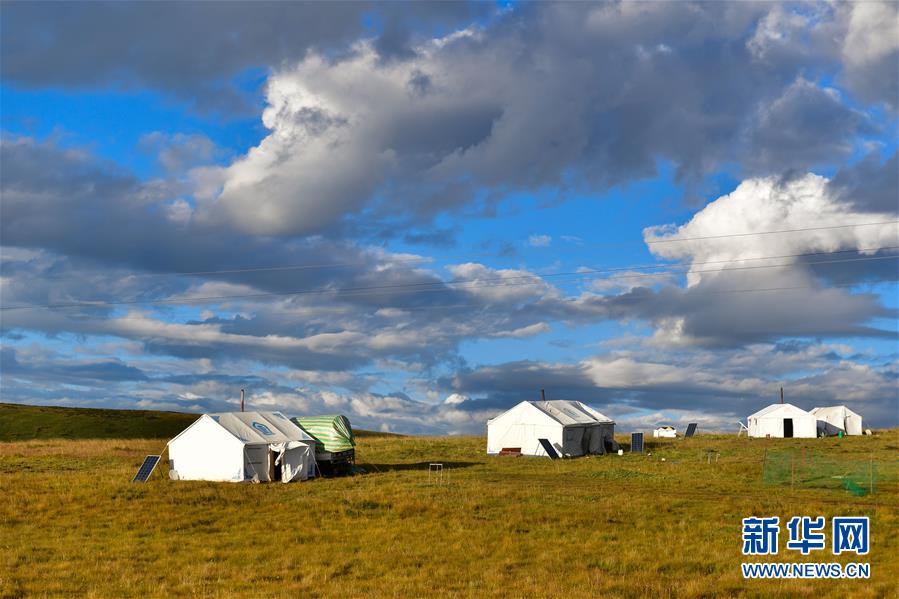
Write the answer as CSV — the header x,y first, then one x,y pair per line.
x,y
502,187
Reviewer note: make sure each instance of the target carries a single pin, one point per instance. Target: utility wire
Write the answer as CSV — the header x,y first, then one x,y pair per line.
x,y
672,240
617,299
431,286
427,259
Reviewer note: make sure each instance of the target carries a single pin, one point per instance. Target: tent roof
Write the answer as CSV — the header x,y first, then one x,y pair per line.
x,y
256,427
570,412
779,407
260,427
841,411
564,412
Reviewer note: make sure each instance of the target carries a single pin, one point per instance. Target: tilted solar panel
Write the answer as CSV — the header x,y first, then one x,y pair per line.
x,y
549,449
636,442
691,430
146,469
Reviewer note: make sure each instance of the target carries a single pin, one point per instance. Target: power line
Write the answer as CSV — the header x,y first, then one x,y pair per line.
x,y
617,299
672,240
426,259
527,283
432,286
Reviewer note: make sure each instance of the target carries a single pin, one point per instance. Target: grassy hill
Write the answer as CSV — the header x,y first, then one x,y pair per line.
x,y
21,422
661,525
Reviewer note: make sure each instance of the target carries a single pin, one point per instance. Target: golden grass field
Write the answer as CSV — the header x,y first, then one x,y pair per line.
x,y
72,523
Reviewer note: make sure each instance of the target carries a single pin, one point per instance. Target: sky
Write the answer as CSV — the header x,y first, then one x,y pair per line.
x,y
421,214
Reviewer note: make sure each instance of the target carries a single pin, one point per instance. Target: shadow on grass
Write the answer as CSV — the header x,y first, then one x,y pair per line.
x,y
371,467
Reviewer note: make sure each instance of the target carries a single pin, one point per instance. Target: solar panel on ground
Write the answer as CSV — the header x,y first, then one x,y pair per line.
x,y
146,469
691,430
636,442
549,449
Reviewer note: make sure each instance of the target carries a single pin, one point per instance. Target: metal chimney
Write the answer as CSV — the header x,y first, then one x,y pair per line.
x,y
241,399
542,394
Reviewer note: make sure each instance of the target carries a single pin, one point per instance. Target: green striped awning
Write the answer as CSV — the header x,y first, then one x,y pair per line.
x,y
331,433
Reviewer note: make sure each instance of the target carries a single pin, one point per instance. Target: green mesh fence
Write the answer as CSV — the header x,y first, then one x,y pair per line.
x,y
807,469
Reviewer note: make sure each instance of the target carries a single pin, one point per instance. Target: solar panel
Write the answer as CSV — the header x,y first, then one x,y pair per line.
x,y
549,449
691,430
146,469
636,442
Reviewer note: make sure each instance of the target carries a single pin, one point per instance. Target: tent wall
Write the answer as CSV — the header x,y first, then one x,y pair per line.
x,y
854,424
826,429
205,451
568,440
573,440
595,436
607,430
805,426
525,436
297,461
839,417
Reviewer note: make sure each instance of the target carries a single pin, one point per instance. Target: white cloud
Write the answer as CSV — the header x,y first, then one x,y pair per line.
x,y
540,241
768,204
527,331
455,398
873,32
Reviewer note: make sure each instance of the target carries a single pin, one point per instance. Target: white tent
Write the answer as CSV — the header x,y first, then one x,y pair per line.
x,y
782,420
571,427
242,446
665,431
840,417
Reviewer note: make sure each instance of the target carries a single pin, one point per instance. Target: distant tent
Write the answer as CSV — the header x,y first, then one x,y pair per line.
x,y
833,419
571,427
782,420
242,446
665,431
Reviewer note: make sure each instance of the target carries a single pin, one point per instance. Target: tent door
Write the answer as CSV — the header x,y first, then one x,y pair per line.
x,y
258,463
275,470
788,427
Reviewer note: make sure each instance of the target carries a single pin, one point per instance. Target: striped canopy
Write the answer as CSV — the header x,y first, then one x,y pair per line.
x,y
331,433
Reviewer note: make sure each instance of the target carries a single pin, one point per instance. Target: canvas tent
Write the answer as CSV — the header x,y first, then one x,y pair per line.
x,y
833,419
242,446
571,427
782,420
665,431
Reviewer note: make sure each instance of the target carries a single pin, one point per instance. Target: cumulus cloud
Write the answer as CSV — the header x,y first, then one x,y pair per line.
x,y
871,51
155,46
804,203
513,106
870,185
178,152
806,126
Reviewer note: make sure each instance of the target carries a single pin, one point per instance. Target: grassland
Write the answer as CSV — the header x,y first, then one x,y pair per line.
x,y
72,523
21,422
